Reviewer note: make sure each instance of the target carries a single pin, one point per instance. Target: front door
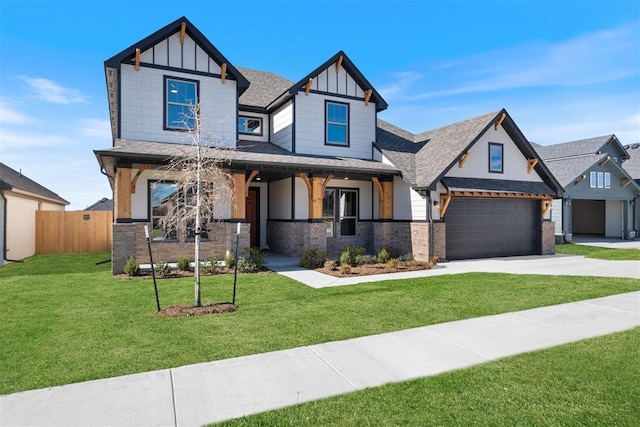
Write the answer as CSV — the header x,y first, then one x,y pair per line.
x,y
253,216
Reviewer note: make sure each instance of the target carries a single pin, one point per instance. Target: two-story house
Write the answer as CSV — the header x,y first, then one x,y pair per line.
x,y
599,194
312,166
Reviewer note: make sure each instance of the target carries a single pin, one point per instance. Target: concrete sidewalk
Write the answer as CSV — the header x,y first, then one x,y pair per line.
x,y
216,391
556,265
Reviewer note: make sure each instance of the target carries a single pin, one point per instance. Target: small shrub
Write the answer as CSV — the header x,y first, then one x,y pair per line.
x,y
183,263
256,256
393,263
210,266
312,258
366,259
345,269
434,260
246,265
383,255
407,257
350,253
162,268
330,264
132,268
229,260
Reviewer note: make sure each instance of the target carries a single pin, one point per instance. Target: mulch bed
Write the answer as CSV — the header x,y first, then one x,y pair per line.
x,y
379,268
192,310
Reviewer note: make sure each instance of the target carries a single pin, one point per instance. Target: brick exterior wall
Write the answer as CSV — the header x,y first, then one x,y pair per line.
x,y
129,239
290,238
364,238
548,238
439,239
403,238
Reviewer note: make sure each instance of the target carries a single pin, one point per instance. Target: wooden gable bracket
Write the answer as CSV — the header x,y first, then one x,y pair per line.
x,y
604,162
499,121
246,185
307,87
445,199
625,182
339,63
367,96
223,72
463,159
580,179
135,178
137,59
183,30
326,182
532,164
546,205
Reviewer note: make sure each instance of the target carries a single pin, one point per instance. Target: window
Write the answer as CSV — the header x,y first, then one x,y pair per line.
x,y
607,180
337,120
250,125
496,160
600,180
164,195
592,179
180,96
342,219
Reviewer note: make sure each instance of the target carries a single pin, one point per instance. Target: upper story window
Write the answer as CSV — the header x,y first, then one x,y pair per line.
x,y
599,180
250,125
496,158
337,123
181,97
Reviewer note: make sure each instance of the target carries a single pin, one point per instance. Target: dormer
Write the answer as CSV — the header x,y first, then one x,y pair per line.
x,y
334,109
153,85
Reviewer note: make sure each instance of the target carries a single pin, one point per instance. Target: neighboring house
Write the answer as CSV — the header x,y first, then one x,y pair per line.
x,y
599,194
312,165
20,198
632,164
103,204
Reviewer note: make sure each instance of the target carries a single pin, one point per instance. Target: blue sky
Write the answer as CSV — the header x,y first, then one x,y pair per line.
x,y
564,70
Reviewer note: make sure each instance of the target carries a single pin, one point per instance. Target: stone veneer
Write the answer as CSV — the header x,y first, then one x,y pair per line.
x,y
129,239
548,238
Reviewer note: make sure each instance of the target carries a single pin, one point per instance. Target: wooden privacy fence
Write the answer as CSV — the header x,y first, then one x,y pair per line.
x,y
60,232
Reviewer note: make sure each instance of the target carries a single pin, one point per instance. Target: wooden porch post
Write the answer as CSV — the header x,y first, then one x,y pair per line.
x,y
239,196
385,198
123,194
315,189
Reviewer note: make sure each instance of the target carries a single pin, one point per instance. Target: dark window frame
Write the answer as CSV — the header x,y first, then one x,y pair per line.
x,y
247,118
336,218
347,124
501,146
166,103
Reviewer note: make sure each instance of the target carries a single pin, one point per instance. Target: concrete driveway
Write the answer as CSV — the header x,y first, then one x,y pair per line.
x,y
604,242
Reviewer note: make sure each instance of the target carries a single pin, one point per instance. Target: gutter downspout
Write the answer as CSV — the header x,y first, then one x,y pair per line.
x,y
430,219
4,231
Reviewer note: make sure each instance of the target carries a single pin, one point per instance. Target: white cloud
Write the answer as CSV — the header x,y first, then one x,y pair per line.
x,y
52,92
591,58
95,128
8,114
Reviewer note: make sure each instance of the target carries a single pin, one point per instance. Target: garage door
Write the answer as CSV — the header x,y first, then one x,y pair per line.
x,y
483,228
588,217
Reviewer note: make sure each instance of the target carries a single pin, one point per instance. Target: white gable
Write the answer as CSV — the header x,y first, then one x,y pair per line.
x,y
515,164
188,55
340,82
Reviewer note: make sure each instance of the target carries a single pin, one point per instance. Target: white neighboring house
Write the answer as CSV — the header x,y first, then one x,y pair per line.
x,y
313,166
20,198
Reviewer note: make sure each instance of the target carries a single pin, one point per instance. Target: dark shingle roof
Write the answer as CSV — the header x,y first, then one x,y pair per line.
x,y
18,181
265,87
103,204
425,156
477,184
572,148
250,153
567,170
632,165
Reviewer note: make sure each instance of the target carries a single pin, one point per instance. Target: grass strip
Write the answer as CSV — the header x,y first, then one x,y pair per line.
x,y
609,254
593,382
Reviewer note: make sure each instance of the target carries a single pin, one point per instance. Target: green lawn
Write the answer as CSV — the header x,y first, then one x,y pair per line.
x,y
599,253
66,320
589,383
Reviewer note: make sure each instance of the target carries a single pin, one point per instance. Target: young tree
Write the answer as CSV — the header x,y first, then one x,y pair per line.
x,y
202,187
